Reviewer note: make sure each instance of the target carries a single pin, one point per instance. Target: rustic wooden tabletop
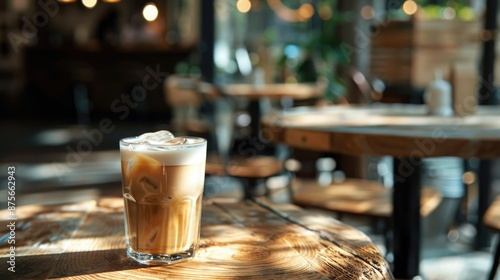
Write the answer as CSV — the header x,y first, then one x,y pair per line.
x,y
244,240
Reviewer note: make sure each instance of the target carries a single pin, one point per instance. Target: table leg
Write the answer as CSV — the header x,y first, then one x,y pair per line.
x,y
224,129
406,217
256,111
483,235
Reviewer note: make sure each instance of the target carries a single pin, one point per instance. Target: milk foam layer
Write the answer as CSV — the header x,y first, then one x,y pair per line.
x,y
191,152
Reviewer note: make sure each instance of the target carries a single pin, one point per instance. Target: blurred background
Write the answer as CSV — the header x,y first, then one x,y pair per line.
x,y
78,75
67,61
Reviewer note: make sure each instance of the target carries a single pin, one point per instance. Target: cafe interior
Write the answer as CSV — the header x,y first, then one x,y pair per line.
x,y
322,104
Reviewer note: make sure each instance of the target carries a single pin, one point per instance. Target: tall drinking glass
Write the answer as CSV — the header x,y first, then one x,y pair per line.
x,y
163,181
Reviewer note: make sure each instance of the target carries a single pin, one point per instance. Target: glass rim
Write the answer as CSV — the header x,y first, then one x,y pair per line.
x,y
124,141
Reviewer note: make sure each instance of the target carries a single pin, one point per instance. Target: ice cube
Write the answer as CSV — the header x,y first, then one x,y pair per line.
x,y
177,141
157,137
144,175
134,143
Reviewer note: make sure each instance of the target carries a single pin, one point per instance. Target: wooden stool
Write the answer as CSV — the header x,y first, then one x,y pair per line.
x,y
358,197
250,170
491,219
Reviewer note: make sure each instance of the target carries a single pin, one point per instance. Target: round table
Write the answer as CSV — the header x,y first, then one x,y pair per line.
x,y
405,132
239,240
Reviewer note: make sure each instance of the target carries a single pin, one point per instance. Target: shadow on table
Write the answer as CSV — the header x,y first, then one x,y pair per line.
x,y
68,264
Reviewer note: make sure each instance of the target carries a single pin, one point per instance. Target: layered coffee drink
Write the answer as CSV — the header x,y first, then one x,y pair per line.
x,y
163,181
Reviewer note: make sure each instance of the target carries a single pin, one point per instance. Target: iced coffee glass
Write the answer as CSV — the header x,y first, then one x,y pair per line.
x,y
162,180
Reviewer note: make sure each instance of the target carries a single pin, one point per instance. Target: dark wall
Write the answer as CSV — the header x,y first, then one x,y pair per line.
x,y
70,84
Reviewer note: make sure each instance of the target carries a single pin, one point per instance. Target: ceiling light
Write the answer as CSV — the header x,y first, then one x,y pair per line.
x,y
150,12
89,3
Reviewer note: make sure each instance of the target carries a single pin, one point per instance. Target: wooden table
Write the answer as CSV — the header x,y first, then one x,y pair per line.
x,y
244,240
402,131
299,91
257,96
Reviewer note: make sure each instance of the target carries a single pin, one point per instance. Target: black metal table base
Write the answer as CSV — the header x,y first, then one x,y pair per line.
x,y
406,217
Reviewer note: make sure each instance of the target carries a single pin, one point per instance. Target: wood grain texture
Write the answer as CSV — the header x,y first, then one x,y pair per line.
x,y
42,234
409,52
245,240
395,130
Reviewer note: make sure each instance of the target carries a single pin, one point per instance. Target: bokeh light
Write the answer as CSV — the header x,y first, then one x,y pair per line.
x,y
367,12
305,12
89,3
410,7
150,12
243,6
449,13
469,177
325,12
